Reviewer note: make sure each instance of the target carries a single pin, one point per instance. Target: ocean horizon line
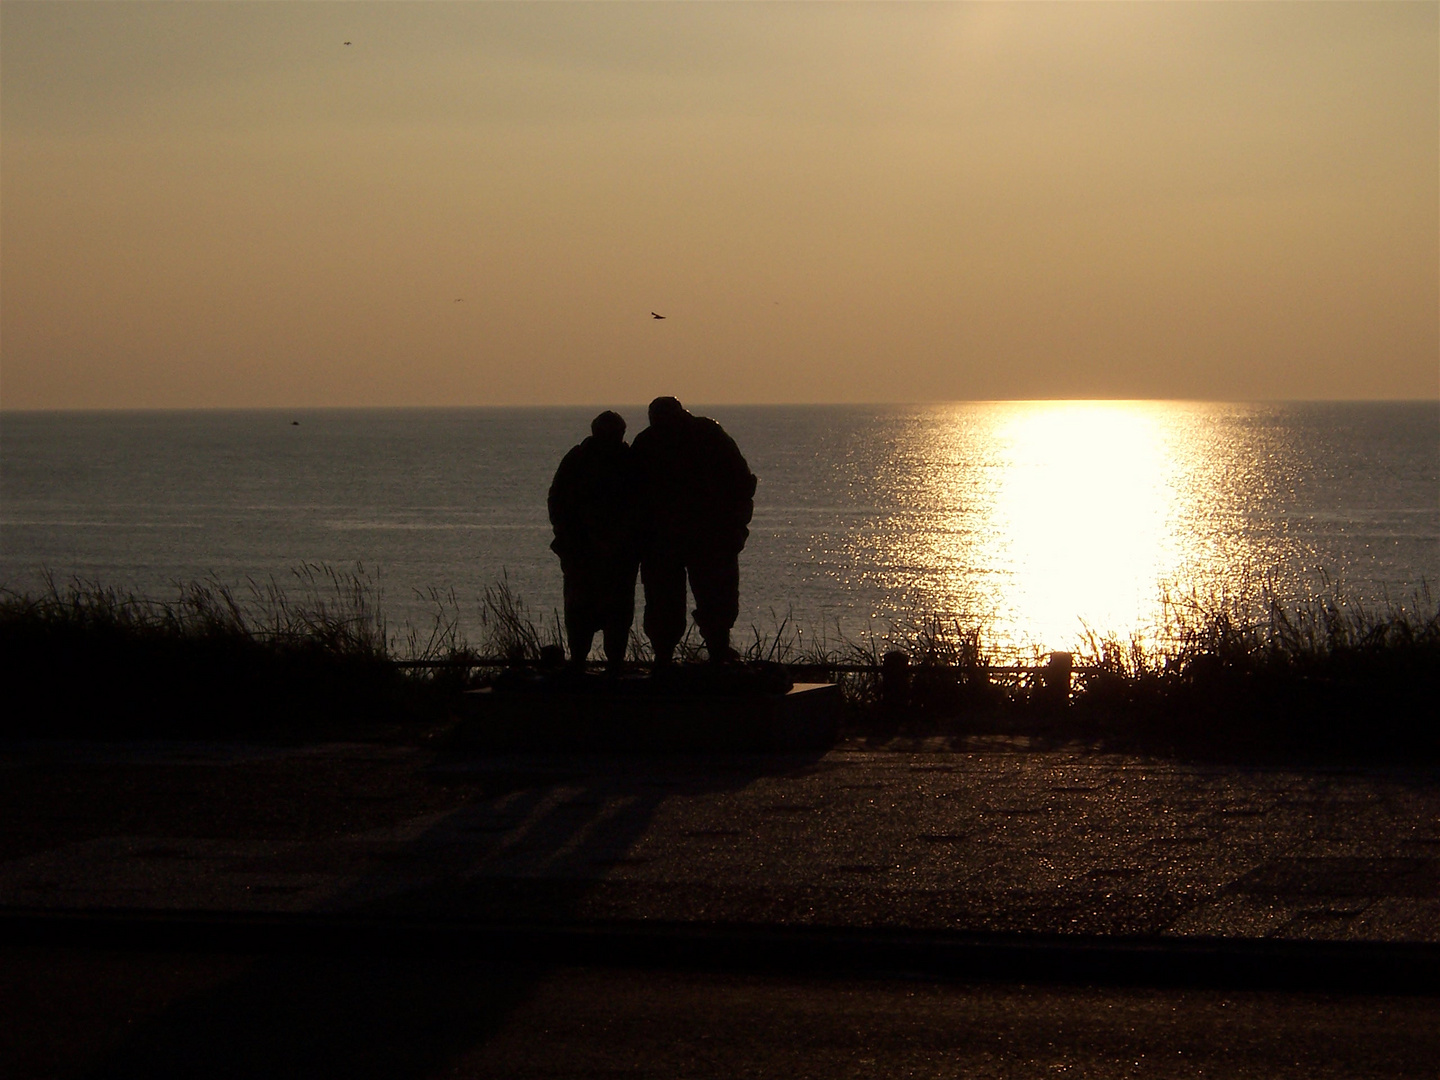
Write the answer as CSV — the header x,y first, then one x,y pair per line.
x,y
701,403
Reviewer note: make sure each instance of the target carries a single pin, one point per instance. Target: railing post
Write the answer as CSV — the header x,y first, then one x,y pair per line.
x,y
1055,680
895,681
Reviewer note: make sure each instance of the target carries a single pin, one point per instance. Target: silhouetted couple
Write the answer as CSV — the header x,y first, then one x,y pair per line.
x,y
673,505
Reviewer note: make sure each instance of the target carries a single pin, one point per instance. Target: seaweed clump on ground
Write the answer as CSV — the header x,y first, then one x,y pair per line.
x,y
91,661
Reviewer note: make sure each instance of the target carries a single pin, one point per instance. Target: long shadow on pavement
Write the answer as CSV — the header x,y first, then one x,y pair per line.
x,y
532,845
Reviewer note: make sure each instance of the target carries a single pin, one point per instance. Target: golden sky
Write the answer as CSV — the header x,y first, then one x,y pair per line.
x,y
225,205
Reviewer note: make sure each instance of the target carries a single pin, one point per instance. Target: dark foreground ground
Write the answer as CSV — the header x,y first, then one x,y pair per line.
x,y
75,1014
999,844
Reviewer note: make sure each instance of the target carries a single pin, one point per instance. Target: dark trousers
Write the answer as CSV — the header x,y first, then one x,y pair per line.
x,y
715,581
599,595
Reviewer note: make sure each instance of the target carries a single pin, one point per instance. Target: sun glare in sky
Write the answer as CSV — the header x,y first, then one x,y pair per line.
x,y
448,204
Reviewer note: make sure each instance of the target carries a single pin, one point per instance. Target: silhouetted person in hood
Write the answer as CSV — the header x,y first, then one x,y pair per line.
x,y
593,510
697,496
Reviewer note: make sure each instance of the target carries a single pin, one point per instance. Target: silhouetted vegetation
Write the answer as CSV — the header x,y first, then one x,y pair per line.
x,y
314,660
510,631
1324,680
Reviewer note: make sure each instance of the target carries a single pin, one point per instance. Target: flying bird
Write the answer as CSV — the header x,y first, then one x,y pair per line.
x,y
347,43
654,316
459,299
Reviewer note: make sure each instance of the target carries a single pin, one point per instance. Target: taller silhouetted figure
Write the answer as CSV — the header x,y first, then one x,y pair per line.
x,y
593,510
697,496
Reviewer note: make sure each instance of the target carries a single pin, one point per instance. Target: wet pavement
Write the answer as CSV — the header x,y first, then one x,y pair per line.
x,y
993,838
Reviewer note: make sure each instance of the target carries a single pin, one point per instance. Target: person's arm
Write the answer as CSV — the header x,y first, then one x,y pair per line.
x,y
742,481
738,489
561,501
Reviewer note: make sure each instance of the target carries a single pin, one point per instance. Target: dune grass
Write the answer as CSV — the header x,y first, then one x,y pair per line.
x,y
315,658
307,659
1324,678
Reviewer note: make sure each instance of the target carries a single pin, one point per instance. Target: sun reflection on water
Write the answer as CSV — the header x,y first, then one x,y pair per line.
x,y
1052,519
1081,516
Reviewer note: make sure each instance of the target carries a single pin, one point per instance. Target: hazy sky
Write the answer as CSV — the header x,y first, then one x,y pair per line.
x,y
225,205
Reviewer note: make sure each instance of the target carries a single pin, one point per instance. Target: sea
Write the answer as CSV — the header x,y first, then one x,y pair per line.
x,y
1045,525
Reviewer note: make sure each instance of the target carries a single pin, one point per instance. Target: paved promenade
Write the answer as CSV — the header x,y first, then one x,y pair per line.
x,y
996,838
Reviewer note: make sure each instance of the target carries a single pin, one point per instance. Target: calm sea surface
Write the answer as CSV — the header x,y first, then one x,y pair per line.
x,y
1036,519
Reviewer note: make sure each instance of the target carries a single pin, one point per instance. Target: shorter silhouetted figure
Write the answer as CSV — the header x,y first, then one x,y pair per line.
x,y
697,496
592,509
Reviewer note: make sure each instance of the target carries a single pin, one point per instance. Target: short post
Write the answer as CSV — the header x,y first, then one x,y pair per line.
x,y
1055,681
894,681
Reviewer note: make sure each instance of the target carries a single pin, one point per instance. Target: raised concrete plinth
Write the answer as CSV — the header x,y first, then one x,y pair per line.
x,y
805,718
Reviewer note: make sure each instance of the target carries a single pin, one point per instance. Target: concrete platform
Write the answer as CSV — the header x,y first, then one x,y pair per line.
x,y
652,720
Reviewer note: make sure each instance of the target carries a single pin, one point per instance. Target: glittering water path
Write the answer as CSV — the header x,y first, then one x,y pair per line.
x,y
1038,519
